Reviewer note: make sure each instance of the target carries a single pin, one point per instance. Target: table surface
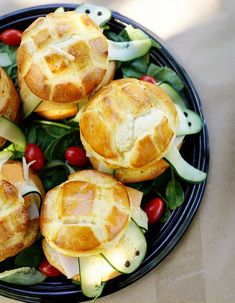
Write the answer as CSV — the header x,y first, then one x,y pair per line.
x,y
200,34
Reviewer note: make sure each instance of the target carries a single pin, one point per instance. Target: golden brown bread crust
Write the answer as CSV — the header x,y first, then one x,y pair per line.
x,y
62,57
144,173
128,124
86,214
17,231
9,100
13,220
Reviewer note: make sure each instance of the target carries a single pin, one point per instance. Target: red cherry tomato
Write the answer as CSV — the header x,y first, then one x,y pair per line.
x,y
47,269
154,210
34,152
11,37
76,156
148,78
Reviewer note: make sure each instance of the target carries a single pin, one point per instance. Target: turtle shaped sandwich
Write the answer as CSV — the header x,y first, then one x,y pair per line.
x,y
63,58
88,230
130,126
9,105
19,209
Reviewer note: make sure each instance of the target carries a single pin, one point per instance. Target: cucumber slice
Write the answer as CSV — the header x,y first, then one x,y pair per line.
x,y
59,10
175,96
190,122
29,107
99,14
140,218
129,50
135,33
12,133
183,168
91,275
22,276
127,255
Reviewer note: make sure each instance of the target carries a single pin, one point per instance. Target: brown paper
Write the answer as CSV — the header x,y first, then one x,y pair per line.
x,y
200,34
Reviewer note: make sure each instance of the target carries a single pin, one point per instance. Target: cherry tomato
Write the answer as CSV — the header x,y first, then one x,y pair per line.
x,y
148,78
154,210
47,269
34,152
76,156
11,37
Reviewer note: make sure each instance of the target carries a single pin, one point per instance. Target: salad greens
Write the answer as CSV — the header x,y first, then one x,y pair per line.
x,y
55,137
11,69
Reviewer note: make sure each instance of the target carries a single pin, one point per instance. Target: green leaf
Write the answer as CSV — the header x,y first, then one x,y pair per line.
x,y
129,72
115,37
174,194
165,74
23,276
58,147
31,257
141,64
11,70
53,176
166,215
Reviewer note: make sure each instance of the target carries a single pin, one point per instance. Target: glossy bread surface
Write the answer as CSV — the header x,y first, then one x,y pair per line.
x,y
85,214
62,57
129,123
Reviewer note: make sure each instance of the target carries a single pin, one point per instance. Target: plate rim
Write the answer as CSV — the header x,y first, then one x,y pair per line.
x,y
28,295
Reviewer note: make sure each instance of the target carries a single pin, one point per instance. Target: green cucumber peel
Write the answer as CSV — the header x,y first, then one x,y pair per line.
x,y
11,132
123,257
175,96
29,107
183,169
189,122
99,14
138,34
90,276
128,50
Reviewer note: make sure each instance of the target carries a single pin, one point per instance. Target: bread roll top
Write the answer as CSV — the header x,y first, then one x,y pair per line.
x,y
62,57
84,215
9,100
128,123
17,230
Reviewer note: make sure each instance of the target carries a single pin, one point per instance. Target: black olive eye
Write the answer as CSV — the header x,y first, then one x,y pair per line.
x,y
127,263
99,13
137,253
87,11
186,114
189,123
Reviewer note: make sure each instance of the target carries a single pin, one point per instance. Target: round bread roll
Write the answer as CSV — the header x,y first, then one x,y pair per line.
x,y
129,124
9,100
86,214
17,230
62,58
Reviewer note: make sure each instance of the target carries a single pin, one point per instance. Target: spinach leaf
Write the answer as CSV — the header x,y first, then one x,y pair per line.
x,y
58,146
165,74
11,70
53,176
130,72
174,193
31,256
166,214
